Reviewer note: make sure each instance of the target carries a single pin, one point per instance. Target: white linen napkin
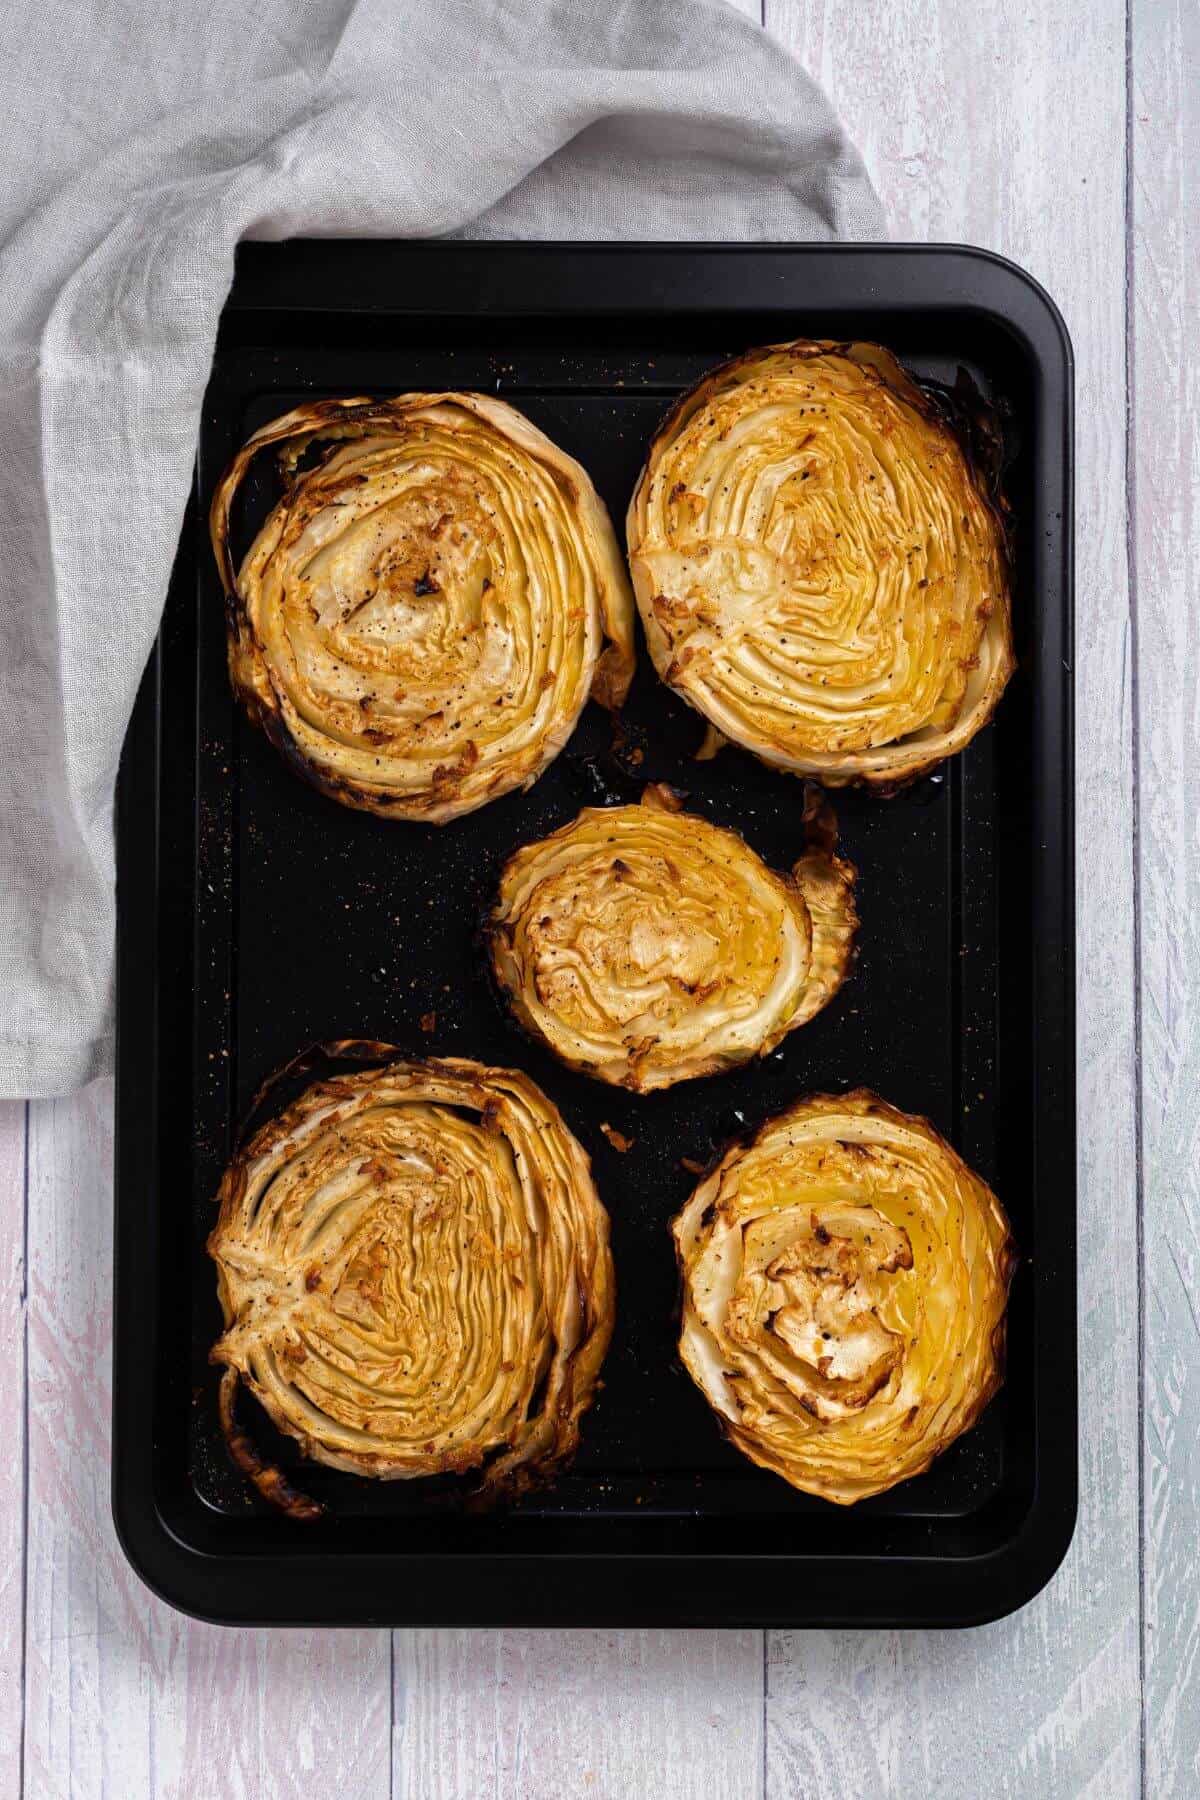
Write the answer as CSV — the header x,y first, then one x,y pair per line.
x,y
139,143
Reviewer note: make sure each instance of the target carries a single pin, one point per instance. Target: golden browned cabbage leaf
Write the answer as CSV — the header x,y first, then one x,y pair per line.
x,y
414,1271
645,945
818,569
422,618
845,1278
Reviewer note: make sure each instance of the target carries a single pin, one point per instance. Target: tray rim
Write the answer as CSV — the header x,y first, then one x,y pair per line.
x,y
343,1586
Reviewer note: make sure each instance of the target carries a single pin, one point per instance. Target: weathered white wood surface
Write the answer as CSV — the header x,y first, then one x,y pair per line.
x,y
526,1715
12,1436
1166,519
1002,124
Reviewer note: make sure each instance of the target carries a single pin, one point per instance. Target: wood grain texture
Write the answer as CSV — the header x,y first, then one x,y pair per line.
x,y
1004,126
12,1436
125,1698
95,1650
1166,256
578,1715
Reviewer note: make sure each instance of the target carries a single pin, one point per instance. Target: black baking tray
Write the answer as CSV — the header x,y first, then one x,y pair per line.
x,y
256,916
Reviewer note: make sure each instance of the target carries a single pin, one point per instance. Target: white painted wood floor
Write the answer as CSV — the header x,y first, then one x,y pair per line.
x,y
1064,135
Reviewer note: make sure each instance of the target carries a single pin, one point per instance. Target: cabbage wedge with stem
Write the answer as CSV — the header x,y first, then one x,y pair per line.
x,y
644,945
423,616
820,568
845,1280
414,1271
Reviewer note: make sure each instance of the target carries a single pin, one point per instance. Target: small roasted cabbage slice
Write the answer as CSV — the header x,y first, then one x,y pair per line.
x,y
645,945
423,616
819,568
414,1271
845,1280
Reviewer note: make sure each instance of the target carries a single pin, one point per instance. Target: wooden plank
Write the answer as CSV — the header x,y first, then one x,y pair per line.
x,y
95,1651
1166,250
578,1715
285,1714
12,1436
125,1698
1004,126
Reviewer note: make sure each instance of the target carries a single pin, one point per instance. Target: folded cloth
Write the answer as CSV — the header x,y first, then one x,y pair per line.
x,y
139,144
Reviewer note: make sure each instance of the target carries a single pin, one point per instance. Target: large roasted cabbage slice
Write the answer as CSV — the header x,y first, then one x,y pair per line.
x,y
414,1271
645,945
818,568
845,1278
422,618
